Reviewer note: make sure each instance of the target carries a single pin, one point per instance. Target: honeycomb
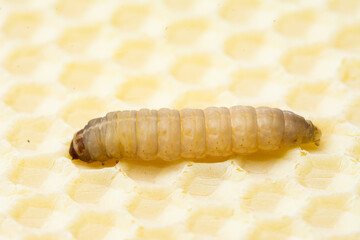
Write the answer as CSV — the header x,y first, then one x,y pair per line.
x,y
63,62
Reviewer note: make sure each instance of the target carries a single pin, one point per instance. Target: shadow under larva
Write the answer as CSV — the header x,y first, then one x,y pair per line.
x,y
212,134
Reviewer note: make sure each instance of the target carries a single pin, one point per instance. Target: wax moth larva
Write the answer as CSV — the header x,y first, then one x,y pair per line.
x,y
190,133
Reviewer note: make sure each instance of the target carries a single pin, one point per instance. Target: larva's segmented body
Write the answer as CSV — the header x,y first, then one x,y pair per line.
x,y
190,133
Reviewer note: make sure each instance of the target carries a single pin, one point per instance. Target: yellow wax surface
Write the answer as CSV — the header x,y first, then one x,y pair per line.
x,y
64,62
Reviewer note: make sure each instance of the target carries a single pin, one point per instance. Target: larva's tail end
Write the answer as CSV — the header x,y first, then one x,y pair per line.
x,y
72,151
317,136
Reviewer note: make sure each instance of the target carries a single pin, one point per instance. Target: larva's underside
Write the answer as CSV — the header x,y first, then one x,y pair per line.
x,y
190,133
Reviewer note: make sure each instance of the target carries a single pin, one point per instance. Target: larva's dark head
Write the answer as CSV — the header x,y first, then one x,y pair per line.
x,y
313,134
77,147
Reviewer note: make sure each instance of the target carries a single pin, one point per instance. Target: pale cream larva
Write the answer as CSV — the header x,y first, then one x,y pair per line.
x,y
190,133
